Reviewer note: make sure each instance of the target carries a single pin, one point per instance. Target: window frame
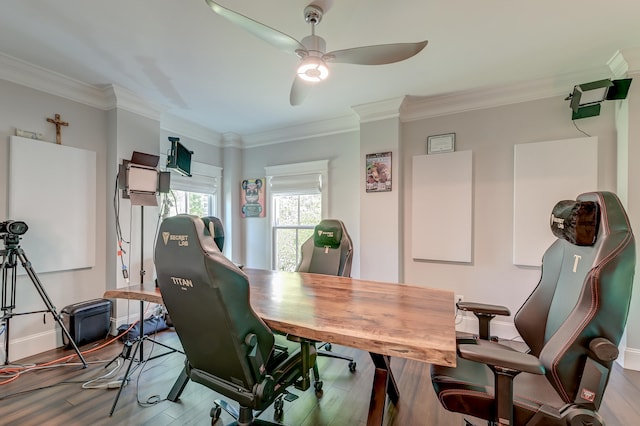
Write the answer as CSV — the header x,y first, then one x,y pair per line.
x,y
282,180
297,228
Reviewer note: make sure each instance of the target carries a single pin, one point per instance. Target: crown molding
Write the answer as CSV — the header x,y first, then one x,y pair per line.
x,y
174,124
231,140
618,65
105,98
381,110
26,74
632,58
121,98
422,107
344,124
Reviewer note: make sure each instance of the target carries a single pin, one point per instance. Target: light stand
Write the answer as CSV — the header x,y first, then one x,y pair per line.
x,y
139,344
10,255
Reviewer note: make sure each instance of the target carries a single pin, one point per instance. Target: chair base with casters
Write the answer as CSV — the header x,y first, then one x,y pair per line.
x,y
327,353
245,415
284,366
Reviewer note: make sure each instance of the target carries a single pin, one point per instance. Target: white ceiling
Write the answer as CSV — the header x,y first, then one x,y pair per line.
x,y
179,54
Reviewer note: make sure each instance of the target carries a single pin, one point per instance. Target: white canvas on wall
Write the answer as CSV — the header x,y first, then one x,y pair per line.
x,y
52,188
545,173
442,207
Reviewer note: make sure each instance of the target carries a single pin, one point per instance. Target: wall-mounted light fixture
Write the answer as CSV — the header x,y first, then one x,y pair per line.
x,y
586,98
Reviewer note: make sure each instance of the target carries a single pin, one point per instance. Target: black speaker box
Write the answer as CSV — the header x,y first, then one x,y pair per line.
x,y
86,321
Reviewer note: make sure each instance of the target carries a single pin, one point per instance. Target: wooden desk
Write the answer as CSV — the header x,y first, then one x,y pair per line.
x,y
384,319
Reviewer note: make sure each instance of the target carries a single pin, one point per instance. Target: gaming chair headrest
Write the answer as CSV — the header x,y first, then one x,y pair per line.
x,y
213,227
328,233
576,221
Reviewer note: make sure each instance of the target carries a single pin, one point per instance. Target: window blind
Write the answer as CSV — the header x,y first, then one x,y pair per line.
x,y
299,184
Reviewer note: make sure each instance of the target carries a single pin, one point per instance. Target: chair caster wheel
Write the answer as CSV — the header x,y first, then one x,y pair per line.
x,y
215,413
352,366
327,346
278,404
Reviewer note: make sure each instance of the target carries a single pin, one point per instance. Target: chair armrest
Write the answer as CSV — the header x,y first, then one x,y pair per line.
x,y
483,308
485,313
497,356
603,349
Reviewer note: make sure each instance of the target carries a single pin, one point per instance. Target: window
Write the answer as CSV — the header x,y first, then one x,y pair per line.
x,y
295,215
197,195
298,203
195,203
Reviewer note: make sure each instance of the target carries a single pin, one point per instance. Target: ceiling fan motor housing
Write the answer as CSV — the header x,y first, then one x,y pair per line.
x,y
313,14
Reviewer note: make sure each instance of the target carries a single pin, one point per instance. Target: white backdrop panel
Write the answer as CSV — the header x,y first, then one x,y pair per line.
x,y
545,173
53,189
442,207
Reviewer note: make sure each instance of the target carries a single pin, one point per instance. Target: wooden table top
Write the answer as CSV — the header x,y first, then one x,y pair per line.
x,y
398,320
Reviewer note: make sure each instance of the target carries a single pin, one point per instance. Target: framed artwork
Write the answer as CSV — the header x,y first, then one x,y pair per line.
x,y
378,172
441,143
253,197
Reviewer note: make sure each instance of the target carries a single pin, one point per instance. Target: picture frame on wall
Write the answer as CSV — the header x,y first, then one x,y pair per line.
x,y
438,144
253,197
378,172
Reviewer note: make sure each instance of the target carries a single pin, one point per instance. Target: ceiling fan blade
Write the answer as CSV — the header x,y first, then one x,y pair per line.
x,y
376,55
272,36
299,91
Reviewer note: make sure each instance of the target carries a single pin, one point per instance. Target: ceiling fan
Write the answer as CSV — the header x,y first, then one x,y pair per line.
x,y
312,49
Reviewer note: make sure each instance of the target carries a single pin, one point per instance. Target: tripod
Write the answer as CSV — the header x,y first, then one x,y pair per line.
x,y
10,255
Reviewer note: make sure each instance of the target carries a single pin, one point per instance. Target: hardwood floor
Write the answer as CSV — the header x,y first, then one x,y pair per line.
x,y
55,396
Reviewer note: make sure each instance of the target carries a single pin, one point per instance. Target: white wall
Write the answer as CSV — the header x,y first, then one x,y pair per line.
x,y
380,214
491,134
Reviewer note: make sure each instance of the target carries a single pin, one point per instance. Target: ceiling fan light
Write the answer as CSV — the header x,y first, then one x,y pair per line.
x,y
313,70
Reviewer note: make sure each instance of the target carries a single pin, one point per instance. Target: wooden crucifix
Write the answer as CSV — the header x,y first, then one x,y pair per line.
x,y
56,120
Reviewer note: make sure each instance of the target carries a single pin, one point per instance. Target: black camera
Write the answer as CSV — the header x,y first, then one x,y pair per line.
x,y
13,227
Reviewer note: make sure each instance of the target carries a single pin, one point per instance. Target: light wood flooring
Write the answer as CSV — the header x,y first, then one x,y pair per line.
x,y
55,396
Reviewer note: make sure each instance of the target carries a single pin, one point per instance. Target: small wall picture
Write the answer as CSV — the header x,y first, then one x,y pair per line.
x,y
253,197
378,172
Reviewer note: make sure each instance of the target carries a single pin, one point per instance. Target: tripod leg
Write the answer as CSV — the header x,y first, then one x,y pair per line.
x,y
125,378
8,296
45,298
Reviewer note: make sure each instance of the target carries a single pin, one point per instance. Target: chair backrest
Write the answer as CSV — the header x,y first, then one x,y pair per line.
x,y
213,226
328,251
207,297
585,288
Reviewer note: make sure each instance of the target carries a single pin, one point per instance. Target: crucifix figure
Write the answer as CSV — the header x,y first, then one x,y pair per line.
x,y
58,123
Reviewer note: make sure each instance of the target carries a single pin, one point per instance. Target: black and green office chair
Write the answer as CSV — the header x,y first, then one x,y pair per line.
x,y
213,227
228,348
572,323
328,251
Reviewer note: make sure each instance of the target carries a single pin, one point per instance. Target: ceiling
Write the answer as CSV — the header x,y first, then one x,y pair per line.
x,y
199,67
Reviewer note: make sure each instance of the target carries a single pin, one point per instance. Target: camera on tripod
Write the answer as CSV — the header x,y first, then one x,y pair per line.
x,y
10,231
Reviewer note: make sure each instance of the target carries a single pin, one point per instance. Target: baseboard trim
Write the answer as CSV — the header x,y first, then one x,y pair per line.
x,y
23,347
630,359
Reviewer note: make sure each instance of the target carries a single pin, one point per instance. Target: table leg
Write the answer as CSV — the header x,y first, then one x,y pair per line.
x,y
383,384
